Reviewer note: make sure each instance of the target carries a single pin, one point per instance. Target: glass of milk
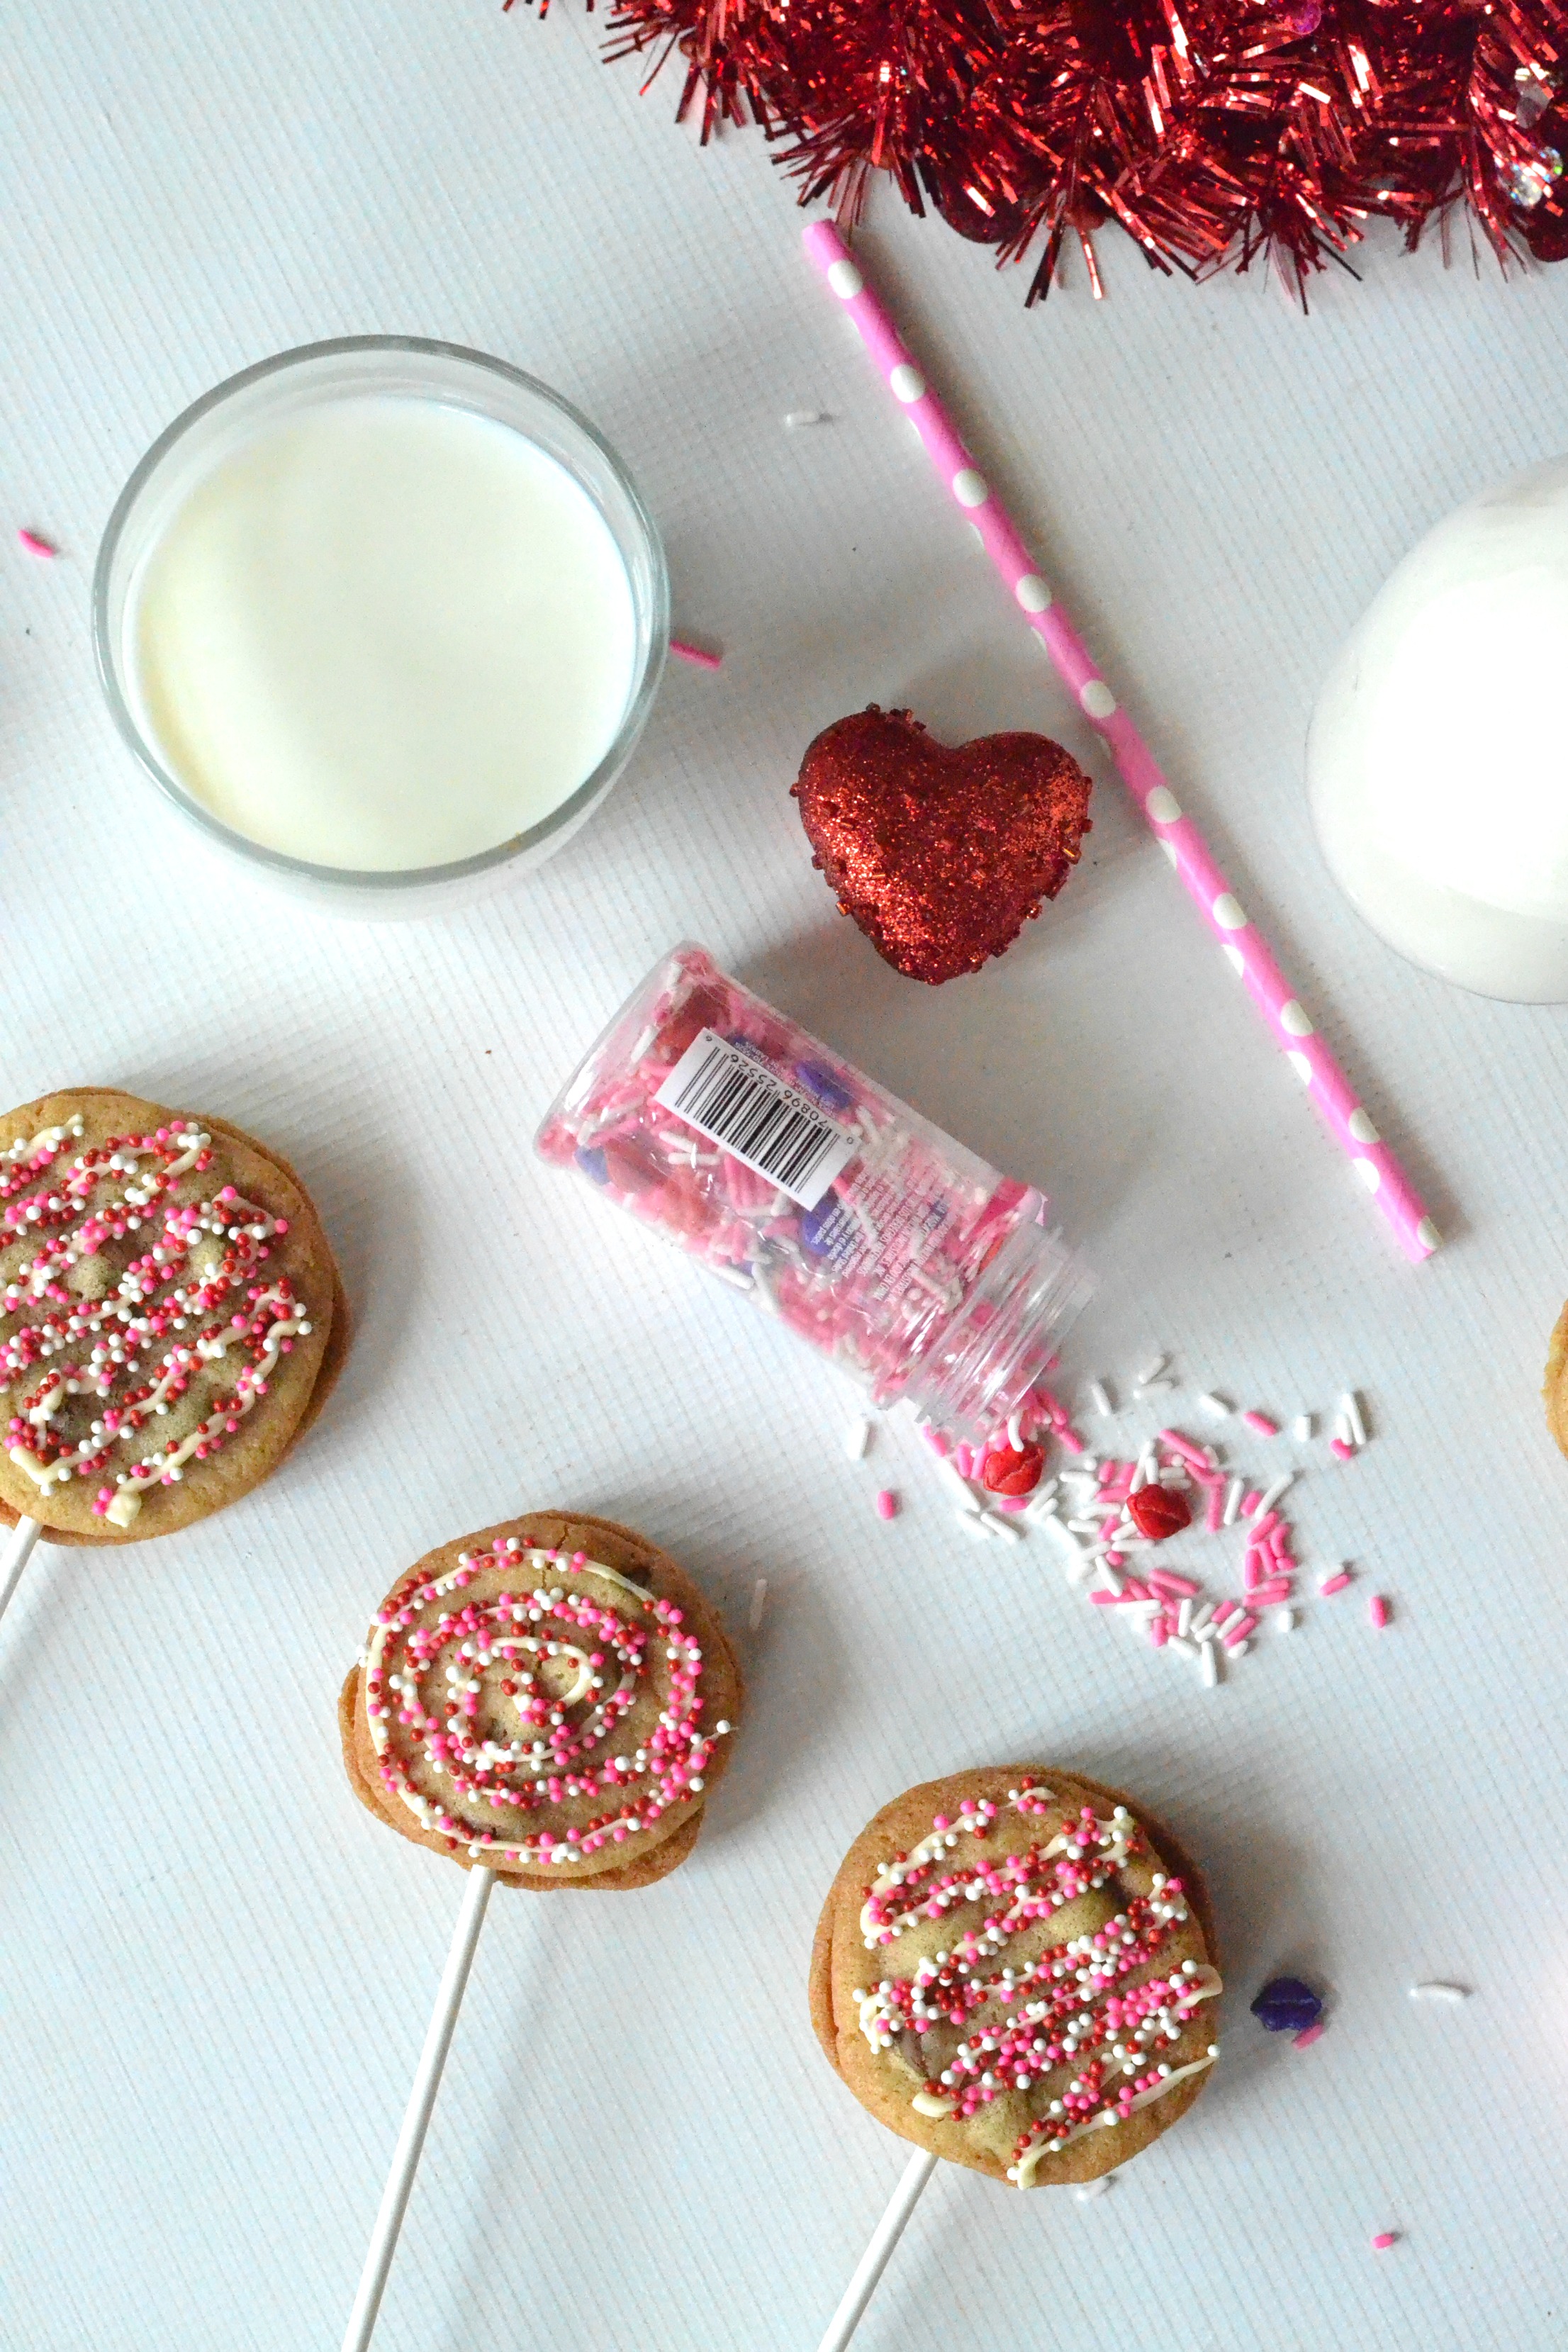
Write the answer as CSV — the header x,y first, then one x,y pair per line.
x,y
384,619
1435,760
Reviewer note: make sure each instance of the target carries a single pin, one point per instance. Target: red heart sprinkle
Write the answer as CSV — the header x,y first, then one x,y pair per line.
x,y
1157,1513
941,856
1013,1470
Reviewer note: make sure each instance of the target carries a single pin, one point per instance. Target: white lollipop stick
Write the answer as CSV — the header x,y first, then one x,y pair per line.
x,y
18,1552
874,2260
421,2100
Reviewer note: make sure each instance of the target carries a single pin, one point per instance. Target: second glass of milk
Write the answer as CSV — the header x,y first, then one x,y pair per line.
x,y
384,618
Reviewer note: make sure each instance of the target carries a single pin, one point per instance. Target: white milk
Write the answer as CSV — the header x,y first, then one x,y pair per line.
x,y
1439,753
384,634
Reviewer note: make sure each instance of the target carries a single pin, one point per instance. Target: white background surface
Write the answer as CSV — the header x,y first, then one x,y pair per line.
x,y
216,1971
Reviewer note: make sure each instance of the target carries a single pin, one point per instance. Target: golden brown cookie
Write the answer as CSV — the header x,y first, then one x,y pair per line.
x,y
172,1318
552,1697
1556,1389
1012,1969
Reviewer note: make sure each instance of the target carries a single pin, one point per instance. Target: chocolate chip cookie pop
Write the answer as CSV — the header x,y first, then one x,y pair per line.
x,y
171,1319
547,1703
1013,1970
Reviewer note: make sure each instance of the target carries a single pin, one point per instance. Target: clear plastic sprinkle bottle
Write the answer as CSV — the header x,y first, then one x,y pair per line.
x,y
903,1256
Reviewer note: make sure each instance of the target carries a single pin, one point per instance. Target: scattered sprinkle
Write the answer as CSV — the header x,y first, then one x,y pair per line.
x,y
1260,1424
1209,1664
1377,1609
858,1439
1351,1407
1311,2034
1218,1408
1437,1991
689,652
795,418
1099,1397
1087,2191
1335,1583
1302,1428
1340,1450
35,545
1270,1494
759,1602
1384,2239
887,1504
1286,2005
1151,1371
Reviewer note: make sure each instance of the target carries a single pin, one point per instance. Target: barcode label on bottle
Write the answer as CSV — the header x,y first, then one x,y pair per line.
x,y
772,1127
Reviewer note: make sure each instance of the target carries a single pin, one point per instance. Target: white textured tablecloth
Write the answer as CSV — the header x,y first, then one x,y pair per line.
x,y
214,1970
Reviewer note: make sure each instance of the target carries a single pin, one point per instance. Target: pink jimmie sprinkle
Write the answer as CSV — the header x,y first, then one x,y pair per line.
x,y
1185,1447
1237,1629
1071,1440
36,546
1260,1424
887,1504
1384,2239
1331,1584
1165,1580
1377,1610
1340,1450
1267,1596
694,654
1304,2039
1249,1503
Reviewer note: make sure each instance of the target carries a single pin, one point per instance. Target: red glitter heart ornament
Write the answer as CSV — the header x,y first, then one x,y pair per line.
x,y
942,857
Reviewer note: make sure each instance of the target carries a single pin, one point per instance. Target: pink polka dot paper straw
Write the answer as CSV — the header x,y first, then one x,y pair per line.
x,y
1244,945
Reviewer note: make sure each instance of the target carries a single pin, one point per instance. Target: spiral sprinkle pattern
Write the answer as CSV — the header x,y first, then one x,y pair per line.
x,y
535,1707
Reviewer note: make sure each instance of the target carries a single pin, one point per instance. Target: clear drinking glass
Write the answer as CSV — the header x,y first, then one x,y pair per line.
x,y
220,422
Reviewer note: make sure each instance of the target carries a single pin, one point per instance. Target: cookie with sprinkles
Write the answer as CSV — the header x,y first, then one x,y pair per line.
x,y
1554,1389
172,1318
1016,1970
552,1697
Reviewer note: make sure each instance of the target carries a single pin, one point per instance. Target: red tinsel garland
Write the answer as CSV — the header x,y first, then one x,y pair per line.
x,y
1214,131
